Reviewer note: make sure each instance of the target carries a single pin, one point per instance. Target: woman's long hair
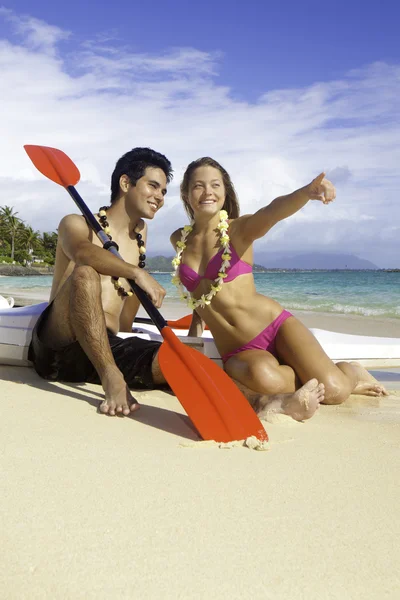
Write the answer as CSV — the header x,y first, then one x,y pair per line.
x,y
231,204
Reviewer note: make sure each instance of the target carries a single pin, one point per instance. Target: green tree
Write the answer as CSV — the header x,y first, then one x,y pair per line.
x,y
49,243
10,225
5,248
29,241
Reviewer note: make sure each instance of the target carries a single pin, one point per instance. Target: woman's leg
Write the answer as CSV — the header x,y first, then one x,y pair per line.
x,y
271,387
367,384
297,346
261,372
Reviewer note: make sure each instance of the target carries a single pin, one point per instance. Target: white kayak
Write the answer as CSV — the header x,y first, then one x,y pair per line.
x,y
16,326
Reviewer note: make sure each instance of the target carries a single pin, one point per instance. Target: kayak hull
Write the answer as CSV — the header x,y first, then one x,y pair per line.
x,y
16,325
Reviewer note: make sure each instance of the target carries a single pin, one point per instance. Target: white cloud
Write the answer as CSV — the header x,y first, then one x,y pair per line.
x,y
97,102
37,35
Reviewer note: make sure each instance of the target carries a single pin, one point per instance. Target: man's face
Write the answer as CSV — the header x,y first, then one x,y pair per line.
x,y
147,196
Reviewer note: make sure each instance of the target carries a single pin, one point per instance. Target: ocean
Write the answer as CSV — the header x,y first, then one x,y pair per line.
x,y
366,293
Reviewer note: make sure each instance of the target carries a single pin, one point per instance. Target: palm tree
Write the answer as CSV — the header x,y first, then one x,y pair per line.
x,y
29,240
10,225
49,243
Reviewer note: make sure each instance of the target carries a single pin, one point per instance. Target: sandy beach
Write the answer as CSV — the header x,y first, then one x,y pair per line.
x,y
100,507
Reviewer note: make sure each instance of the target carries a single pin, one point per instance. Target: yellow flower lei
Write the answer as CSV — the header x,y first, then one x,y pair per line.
x,y
205,299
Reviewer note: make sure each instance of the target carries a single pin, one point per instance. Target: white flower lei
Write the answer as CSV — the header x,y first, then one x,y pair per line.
x,y
205,299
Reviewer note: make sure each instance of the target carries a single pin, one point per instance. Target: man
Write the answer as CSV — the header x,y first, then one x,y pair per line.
x,y
75,337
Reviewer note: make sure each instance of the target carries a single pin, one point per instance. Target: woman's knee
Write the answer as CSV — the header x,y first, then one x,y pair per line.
x,y
267,378
337,389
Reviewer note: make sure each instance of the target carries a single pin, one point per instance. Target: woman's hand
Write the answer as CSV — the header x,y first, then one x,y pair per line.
x,y
321,189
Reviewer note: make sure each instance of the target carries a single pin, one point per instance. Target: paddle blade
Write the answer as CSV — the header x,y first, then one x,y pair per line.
x,y
54,164
213,402
182,323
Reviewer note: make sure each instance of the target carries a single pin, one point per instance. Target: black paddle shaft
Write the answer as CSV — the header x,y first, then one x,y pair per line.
x,y
151,310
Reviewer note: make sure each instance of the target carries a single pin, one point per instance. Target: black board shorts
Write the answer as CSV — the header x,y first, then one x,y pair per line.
x,y
133,356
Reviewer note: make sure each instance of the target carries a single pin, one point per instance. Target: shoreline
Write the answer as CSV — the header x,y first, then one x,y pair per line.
x,y
341,323
10,270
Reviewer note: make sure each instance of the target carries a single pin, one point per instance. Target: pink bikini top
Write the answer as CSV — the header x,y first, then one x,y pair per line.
x,y
191,279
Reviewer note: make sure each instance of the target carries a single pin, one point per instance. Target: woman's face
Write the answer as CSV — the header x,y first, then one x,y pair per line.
x,y
206,194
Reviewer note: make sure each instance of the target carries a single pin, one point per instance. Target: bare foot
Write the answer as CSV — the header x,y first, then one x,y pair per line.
x,y
119,399
367,384
300,405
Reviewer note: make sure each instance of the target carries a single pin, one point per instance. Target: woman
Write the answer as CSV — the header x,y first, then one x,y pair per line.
x,y
262,345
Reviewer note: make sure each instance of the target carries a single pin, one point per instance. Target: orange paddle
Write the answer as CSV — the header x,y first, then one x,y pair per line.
x,y
212,401
182,323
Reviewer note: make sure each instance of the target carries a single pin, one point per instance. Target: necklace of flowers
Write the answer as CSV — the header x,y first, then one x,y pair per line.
x,y
205,299
142,250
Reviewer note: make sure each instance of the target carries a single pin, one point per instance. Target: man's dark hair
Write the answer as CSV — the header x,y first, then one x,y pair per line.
x,y
134,164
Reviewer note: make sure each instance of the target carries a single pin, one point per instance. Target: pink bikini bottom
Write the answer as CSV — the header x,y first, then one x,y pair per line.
x,y
264,340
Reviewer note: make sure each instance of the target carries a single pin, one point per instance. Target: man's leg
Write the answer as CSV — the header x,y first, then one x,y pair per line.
x,y
77,314
156,372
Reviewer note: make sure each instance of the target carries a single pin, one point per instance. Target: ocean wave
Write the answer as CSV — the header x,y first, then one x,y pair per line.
x,y
27,283
346,294
346,309
367,311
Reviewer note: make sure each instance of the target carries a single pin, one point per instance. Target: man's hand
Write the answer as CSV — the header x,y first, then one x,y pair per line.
x,y
149,285
321,189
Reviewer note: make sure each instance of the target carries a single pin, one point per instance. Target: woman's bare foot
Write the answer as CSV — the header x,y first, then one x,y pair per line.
x,y
119,399
300,405
367,384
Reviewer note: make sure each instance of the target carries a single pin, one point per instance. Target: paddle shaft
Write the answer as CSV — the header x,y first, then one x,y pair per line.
x,y
151,310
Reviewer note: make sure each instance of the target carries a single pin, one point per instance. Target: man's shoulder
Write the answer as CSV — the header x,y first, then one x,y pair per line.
x,y
72,218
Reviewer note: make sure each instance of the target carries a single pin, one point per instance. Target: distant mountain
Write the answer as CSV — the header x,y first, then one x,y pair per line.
x,y
275,261
159,263
313,261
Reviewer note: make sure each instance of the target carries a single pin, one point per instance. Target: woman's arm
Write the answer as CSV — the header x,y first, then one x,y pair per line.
x,y
196,326
257,225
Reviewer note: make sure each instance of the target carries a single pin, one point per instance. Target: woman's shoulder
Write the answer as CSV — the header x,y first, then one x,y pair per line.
x,y
238,238
236,226
176,236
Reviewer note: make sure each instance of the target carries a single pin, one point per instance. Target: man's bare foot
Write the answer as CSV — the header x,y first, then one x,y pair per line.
x,y
119,399
367,384
300,405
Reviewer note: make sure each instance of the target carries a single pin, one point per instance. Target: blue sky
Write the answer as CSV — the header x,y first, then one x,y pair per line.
x,y
276,91
264,45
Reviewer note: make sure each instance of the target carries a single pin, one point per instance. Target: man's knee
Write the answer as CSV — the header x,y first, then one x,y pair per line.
x,y
85,276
